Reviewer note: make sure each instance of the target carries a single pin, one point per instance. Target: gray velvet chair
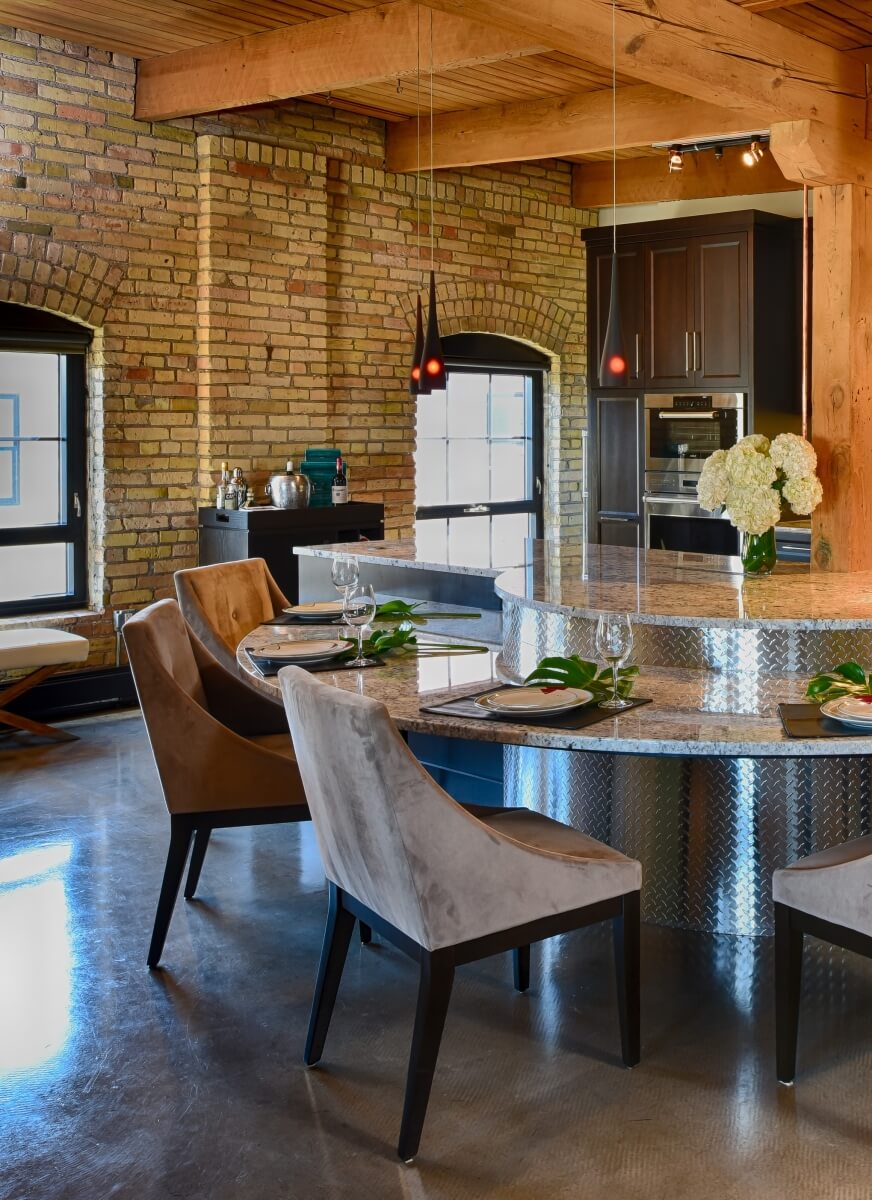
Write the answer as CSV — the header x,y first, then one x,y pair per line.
x,y
216,766
222,604
445,884
829,896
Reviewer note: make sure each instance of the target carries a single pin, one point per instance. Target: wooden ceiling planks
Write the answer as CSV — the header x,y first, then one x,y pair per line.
x,y
843,24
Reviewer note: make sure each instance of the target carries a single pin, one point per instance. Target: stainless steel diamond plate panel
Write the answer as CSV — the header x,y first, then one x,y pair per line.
x,y
709,832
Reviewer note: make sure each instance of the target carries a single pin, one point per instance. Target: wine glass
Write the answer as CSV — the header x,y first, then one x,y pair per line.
x,y
345,573
614,641
359,609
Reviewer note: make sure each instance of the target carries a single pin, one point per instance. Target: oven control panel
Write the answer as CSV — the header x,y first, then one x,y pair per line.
x,y
691,403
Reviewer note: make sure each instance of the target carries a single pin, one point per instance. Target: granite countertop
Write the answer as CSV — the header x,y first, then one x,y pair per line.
x,y
694,713
661,587
400,553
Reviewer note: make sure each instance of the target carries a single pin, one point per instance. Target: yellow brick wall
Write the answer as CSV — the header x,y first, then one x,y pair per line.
x,y
250,279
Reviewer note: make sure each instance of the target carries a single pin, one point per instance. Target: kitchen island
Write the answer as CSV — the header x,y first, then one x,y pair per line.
x,y
703,785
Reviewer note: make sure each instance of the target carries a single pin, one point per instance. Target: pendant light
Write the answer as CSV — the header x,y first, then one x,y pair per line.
x,y
417,385
613,370
433,360
415,388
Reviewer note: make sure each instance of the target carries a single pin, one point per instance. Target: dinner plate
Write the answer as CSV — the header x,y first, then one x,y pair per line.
x,y
316,611
314,651
849,710
533,701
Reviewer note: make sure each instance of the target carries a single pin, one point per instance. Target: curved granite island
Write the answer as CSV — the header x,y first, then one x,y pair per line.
x,y
709,827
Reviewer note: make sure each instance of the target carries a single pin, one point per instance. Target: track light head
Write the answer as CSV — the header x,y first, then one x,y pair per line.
x,y
676,159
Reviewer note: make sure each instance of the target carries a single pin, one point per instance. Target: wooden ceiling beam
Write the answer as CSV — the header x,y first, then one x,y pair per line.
x,y
714,50
811,153
561,126
646,180
352,50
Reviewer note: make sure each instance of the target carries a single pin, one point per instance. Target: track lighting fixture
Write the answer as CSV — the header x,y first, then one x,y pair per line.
x,y
753,154
676,159
754,149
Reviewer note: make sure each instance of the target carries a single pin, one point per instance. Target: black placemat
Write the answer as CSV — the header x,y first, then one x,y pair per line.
x,y
264,665
464,706
806,721
290,619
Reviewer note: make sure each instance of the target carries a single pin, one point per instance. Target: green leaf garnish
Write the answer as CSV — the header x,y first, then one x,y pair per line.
x,y
578,672
847,679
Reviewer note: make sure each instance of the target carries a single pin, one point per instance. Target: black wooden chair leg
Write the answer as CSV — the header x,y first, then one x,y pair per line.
x,y
434,992
788,983
627,931
365,933
337,935
201,842
180,842
521,967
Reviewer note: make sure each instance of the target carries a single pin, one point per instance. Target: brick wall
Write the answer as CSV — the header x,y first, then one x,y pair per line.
x,y
250,280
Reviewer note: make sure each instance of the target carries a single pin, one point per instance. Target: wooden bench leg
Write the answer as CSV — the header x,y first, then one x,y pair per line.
x,y
17,721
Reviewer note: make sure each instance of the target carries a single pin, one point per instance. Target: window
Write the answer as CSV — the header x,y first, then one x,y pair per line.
x,y
43,549
478,455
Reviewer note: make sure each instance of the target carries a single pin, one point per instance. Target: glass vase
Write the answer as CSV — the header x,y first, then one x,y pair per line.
x,y
758,552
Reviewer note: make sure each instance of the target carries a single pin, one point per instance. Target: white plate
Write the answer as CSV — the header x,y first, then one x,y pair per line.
x,y
527,701
849,711
316,611
301,651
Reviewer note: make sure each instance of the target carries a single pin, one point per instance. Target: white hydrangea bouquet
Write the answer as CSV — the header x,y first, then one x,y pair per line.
x,y
750,481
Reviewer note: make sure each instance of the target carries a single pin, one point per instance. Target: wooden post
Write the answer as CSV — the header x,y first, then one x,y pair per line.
x,y
841,408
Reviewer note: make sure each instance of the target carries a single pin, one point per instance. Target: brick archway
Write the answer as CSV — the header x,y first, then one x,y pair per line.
x,y
51,275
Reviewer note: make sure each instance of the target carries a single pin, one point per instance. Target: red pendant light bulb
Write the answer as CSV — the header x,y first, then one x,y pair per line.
x,y
433,360
415,388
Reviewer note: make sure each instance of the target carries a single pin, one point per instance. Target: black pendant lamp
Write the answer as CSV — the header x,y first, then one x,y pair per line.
x,y
433,359
415,384
613,369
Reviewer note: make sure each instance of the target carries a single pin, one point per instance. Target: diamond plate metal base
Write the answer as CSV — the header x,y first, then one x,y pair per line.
x,y
709,832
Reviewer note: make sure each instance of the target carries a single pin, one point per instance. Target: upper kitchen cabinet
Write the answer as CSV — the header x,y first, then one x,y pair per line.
x,y
718,297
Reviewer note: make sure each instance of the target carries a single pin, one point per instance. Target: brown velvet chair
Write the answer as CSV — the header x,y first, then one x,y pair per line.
x,y
222,604
217,768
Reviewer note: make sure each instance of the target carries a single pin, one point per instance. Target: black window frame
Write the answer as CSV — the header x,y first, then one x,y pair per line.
x,y
32,331
492,354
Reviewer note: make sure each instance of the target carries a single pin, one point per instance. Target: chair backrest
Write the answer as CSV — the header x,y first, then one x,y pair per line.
x,y
224,602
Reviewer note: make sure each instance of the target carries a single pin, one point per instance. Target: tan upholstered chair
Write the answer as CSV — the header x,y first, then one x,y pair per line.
x,y
829,896
216,769
445,884
223,603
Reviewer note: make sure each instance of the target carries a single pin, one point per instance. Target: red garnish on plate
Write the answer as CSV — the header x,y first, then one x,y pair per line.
x,y
865,697
546,691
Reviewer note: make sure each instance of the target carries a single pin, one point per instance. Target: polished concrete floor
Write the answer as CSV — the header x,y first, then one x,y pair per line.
x,y
188,1082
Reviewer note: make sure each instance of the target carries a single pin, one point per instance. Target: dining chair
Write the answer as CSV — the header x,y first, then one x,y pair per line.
x,y
225,602
217,768
827,895
445,884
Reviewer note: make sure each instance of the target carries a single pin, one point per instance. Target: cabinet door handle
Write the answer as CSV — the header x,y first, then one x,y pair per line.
x,y
619,520
638,355
697,350
687,352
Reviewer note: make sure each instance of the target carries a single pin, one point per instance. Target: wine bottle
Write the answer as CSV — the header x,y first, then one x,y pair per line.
x,y
221,494
339,485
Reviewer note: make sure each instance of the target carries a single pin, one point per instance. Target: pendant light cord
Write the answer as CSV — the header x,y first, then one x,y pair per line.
x,y
614,134
418,131
432,234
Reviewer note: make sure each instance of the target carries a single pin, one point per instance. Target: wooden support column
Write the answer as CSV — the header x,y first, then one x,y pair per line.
x,y
841,407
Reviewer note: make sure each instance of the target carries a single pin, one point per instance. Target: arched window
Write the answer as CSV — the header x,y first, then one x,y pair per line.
x,y
43,542
478,453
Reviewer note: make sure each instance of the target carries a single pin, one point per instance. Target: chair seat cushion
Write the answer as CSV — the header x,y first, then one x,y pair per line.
x,y
834,885
542,833
276,743
22,648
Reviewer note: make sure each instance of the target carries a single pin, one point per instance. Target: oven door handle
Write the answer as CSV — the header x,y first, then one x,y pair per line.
x,y
666,414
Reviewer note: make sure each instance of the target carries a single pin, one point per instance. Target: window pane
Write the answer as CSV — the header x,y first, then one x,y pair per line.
x,y
34,497
467,472
509,471
469,541
33,378
431,415
467,405
430,472
509,531
508,406
431,539
34,572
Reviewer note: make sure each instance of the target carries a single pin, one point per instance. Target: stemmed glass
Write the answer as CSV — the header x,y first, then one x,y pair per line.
x,y
359,609
614,641
345,573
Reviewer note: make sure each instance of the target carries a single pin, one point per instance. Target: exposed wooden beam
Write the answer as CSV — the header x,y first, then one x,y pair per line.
x,y
646,180
813,154
351,50
712,49
561,126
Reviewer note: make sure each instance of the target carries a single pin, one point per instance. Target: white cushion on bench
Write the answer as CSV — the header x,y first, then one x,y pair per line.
x,y
40,648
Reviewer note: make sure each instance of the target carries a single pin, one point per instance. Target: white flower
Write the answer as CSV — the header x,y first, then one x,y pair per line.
x,y
757,441
753,509
712,487
794,455
803,493
747,467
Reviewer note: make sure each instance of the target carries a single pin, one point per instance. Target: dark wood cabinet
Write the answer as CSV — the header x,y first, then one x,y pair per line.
x,y
631,268
669,314
722,312
616,483
271,533
619,531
